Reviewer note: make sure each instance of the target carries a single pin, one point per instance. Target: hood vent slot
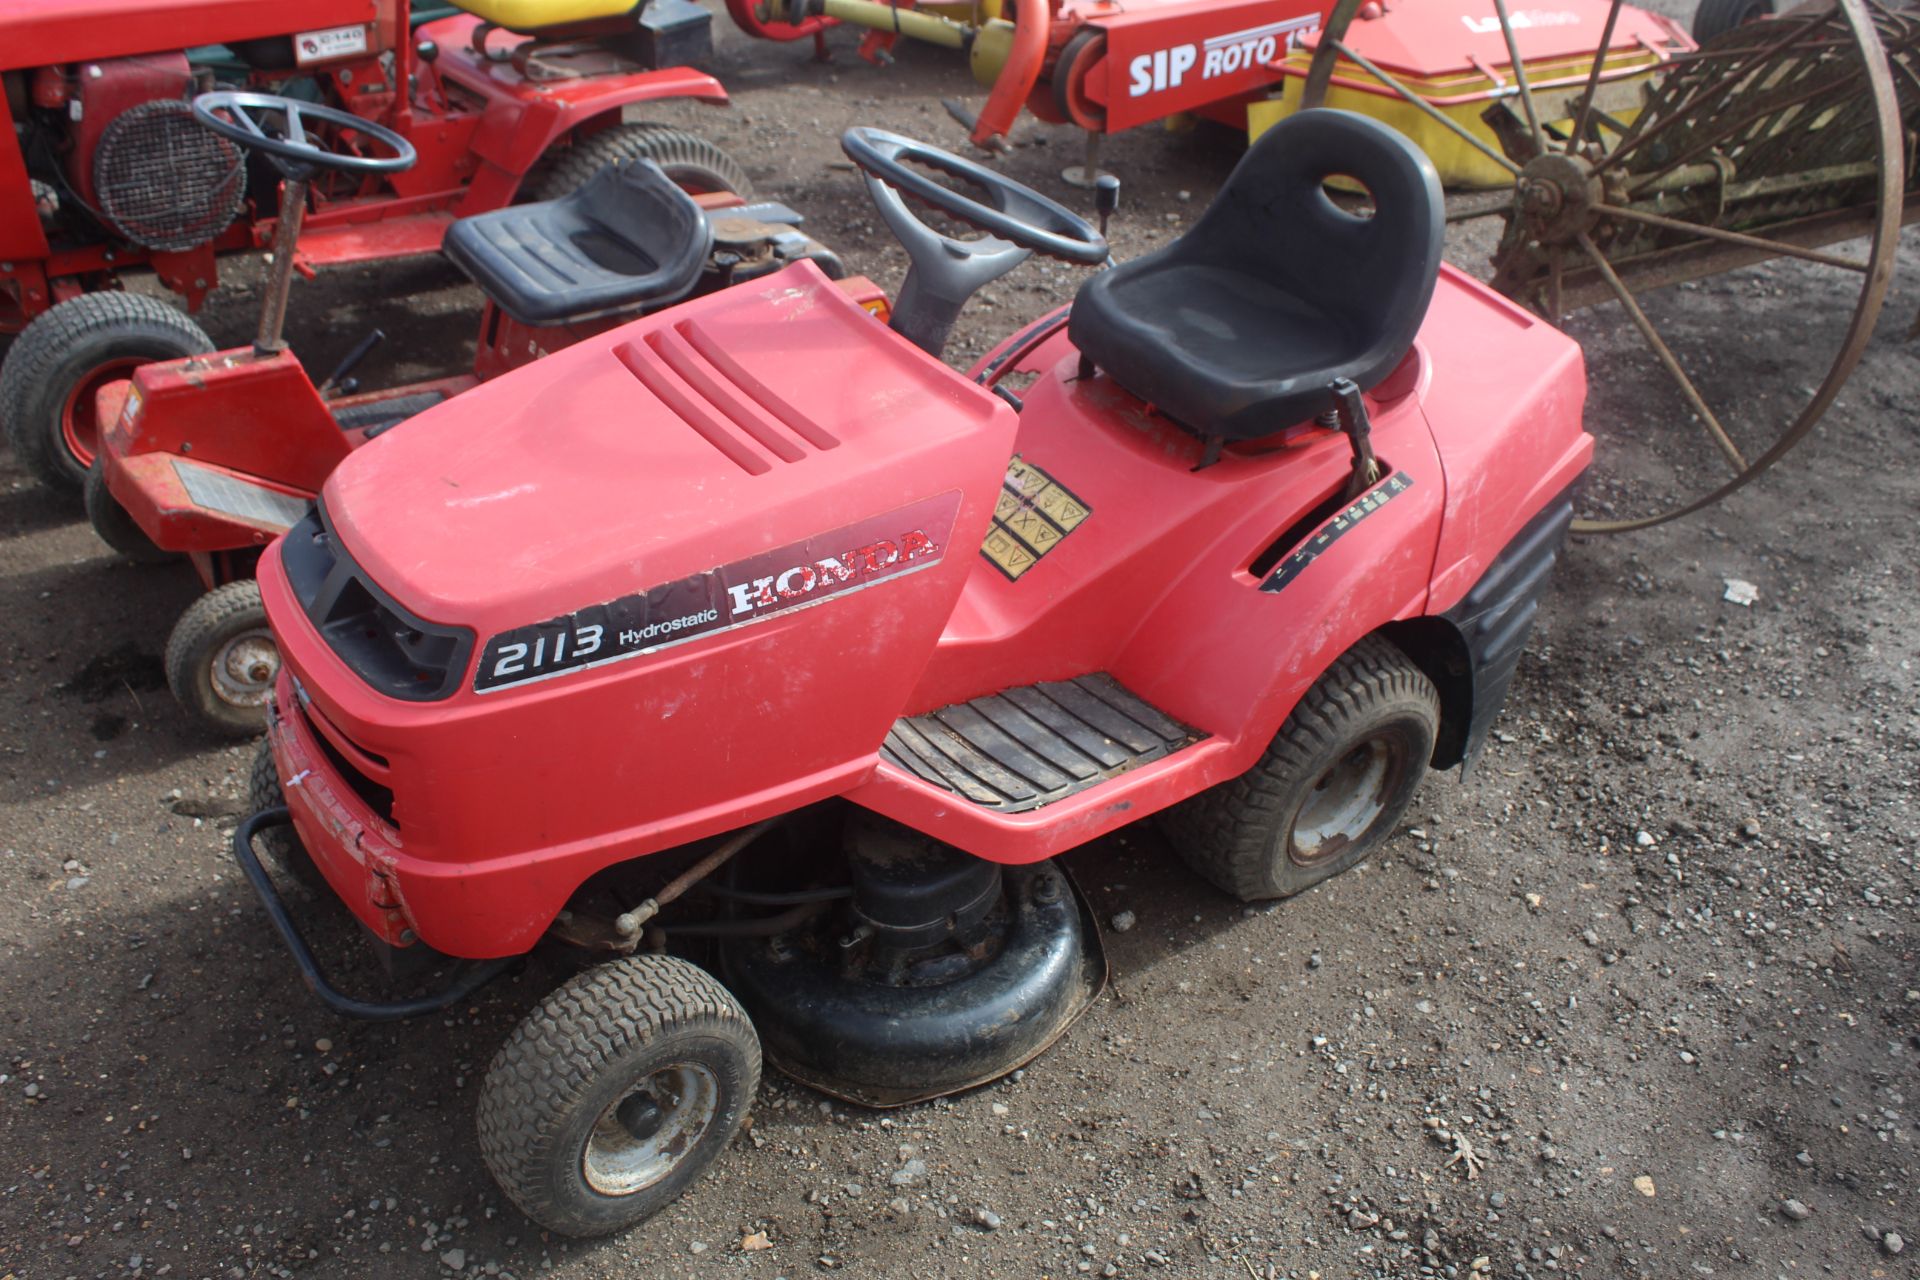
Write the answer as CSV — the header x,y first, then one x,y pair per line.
x,y
726,405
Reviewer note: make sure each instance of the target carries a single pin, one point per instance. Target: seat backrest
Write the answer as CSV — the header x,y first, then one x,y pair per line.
x,y
1274,220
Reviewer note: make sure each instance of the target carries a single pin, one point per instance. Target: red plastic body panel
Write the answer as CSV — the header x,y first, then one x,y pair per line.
x,y
621,465
568,483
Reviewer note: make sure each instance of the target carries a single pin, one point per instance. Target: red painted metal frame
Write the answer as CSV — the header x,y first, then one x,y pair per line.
x,y
570,483
478,125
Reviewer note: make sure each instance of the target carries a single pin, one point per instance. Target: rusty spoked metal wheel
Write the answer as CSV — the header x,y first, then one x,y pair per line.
x,y
1780,139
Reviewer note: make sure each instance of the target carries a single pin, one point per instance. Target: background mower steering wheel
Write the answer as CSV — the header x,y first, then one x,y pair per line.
x,y
945,272
237,115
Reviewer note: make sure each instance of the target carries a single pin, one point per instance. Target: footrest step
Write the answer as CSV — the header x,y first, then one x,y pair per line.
x,y
1023,748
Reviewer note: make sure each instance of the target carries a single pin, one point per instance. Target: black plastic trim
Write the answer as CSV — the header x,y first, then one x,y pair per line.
x,y
464,983
397,653
1496,615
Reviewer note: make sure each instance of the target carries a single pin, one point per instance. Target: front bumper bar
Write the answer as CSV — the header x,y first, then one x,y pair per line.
x,y
465,981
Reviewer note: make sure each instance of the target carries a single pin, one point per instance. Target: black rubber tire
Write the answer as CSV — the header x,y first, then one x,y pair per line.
x,y
1714,17
582,1050
1239,835
64,346
110,520
689,159
279,843
211,623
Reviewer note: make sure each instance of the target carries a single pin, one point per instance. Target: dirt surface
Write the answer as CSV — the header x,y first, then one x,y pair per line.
x,y
1656,960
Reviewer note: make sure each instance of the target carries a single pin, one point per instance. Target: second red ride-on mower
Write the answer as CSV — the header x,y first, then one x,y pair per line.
x,y
212,457
103,169
751,634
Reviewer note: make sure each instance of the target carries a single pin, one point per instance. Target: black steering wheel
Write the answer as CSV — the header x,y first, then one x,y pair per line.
x,y
944,271
1015,213
238,115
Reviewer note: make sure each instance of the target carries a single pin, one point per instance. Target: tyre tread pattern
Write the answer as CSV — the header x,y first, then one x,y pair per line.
x,y
663,144
1226,833
553,1058
36,354
280,843
202,621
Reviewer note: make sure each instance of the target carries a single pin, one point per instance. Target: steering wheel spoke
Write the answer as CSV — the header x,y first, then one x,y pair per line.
x,y
310,137
1016,220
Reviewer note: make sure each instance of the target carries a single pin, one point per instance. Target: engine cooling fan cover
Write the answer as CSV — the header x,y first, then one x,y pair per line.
x,y
163,180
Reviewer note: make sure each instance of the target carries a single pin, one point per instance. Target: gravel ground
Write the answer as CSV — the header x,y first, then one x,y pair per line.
x,y
1640,996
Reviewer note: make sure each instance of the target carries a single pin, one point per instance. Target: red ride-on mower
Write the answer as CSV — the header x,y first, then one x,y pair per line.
x,y
214,456
103,169
750,633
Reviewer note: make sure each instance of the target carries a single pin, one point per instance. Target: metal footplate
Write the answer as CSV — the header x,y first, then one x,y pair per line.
x,y
1026,747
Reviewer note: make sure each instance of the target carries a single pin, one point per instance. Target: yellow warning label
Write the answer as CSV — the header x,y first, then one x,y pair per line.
x,y
1007,554
1033,513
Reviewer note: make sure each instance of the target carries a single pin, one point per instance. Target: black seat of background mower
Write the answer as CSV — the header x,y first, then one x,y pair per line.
x,y
1236,329
628,237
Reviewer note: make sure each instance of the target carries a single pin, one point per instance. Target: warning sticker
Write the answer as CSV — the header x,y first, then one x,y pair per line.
x,y
1033,514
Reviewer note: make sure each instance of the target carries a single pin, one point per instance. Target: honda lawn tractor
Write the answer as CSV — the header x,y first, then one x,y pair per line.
x,y
770,662
213,456
102,168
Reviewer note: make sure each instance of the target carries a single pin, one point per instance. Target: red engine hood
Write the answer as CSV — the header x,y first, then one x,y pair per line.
x,y
727,427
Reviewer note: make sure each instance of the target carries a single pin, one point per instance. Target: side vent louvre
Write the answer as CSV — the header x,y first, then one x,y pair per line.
x,y
724,404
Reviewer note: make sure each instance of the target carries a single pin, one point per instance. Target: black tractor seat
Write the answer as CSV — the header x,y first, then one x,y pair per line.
x,y
1238,329
627,238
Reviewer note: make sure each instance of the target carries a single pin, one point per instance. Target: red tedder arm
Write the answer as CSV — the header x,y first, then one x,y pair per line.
x,y
1032,23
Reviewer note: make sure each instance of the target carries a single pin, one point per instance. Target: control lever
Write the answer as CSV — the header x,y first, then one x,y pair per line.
x,y
338,382
1106,203
1352,412
1106,198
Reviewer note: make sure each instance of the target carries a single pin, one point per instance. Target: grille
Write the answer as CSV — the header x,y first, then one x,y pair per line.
x,y
163,180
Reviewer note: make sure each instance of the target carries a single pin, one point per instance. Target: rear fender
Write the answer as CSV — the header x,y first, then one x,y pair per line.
x,y
1234,653
522,118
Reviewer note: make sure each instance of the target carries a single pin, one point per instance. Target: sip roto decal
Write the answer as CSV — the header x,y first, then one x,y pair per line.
x,y
1216,56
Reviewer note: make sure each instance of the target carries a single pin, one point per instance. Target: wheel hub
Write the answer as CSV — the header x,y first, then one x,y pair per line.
x,y
245,668
1556,196
1346,800
642,1137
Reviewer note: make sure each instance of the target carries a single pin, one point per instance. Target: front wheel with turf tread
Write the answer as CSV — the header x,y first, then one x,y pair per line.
x,y
1330,787
60,359
692,162
222,660
112,523
281,843
572,1099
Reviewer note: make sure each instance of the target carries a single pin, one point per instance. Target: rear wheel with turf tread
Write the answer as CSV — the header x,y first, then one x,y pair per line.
x,y
695,164
60,360
222,660
110,520
616,1092
1329,788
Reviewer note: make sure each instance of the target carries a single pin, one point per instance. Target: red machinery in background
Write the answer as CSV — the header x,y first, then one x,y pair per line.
x,y
211,457
1107,66
102,168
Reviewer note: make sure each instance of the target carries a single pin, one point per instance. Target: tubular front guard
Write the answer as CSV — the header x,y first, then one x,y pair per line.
x,y
463,984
